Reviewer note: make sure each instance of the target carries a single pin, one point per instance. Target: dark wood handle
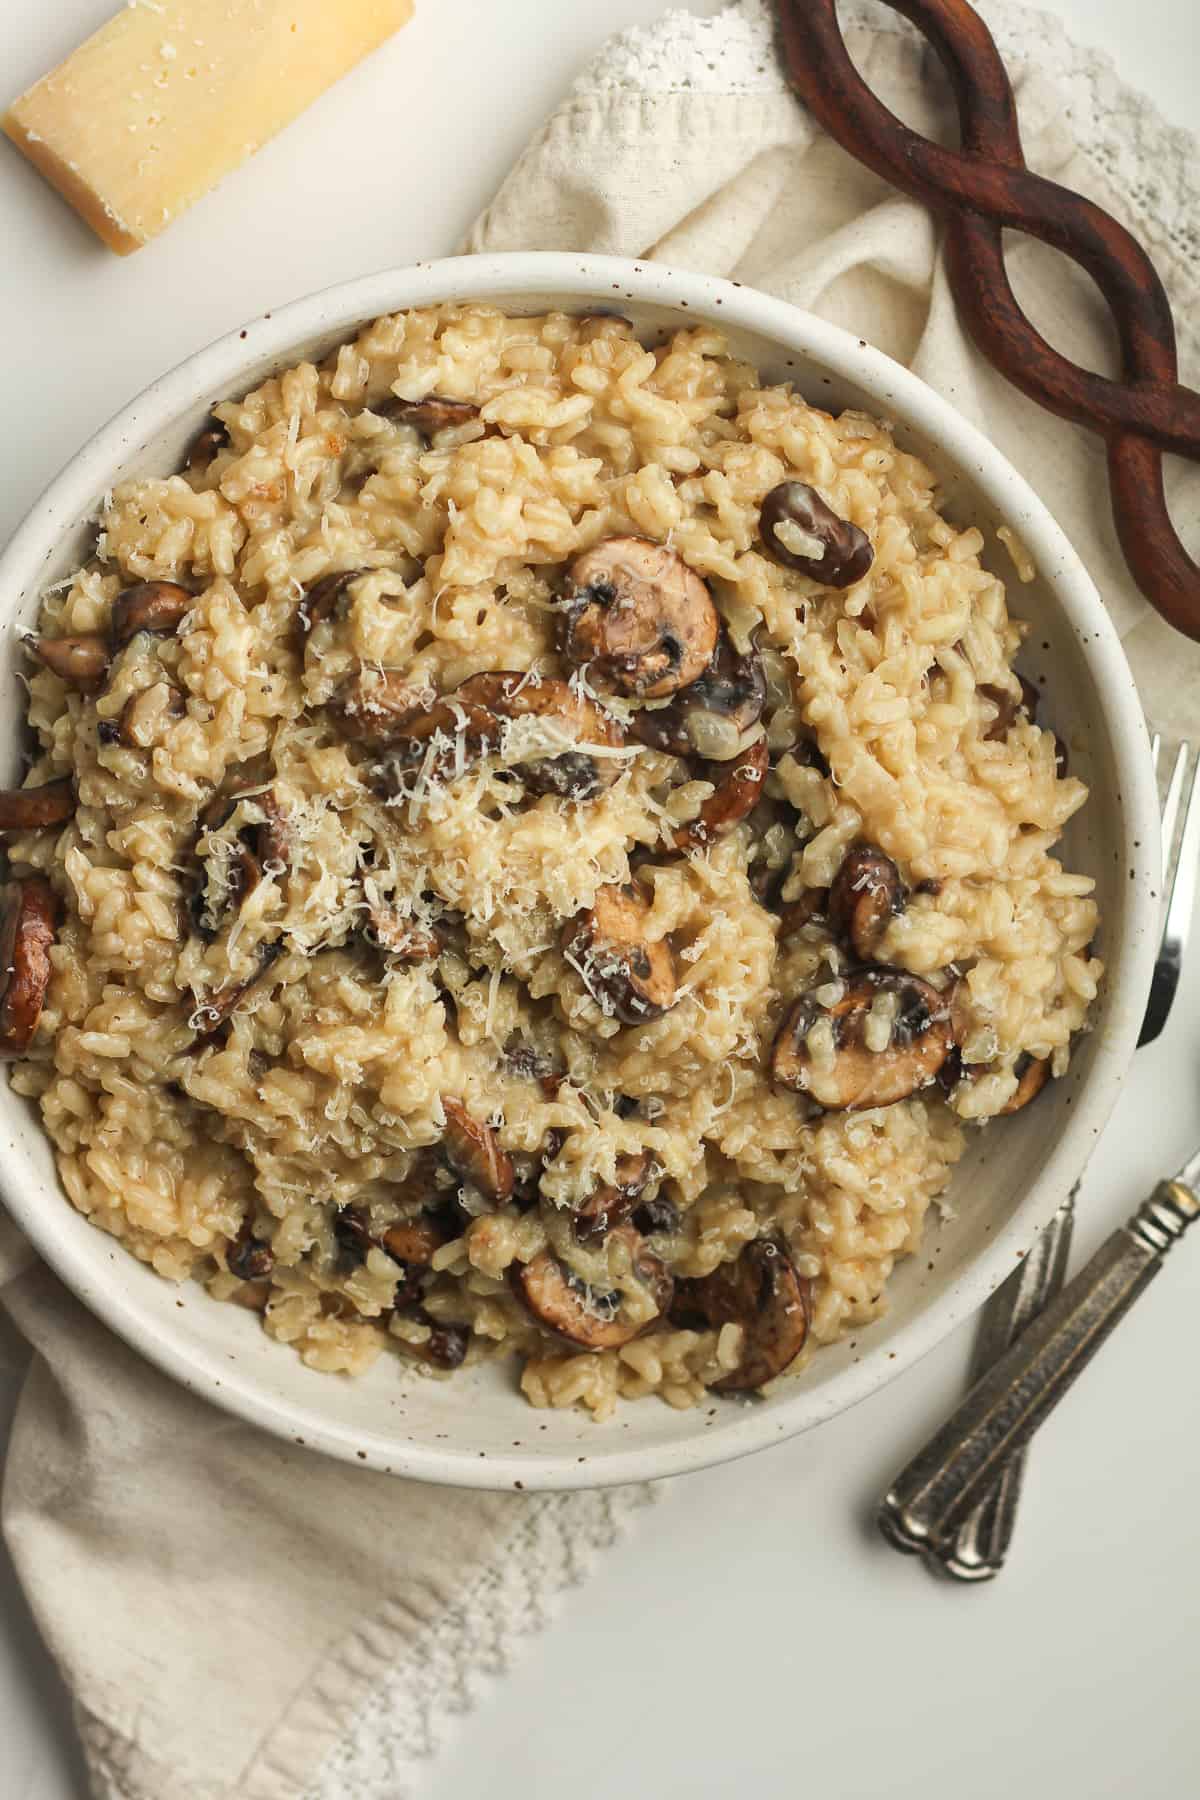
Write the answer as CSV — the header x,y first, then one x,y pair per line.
x,y
984,187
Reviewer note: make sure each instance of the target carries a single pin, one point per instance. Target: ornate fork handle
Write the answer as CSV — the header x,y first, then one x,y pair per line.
x,y
932,1496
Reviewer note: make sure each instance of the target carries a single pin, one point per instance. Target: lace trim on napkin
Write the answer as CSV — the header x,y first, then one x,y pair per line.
x,y
1152,162
440,1673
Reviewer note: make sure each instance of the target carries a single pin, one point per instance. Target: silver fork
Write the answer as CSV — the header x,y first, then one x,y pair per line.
x,y
977,1547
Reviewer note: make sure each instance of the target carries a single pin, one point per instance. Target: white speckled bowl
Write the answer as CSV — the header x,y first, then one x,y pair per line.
x,y
476,1431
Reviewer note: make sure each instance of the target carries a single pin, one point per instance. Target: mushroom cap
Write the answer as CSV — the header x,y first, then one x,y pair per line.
x,y
33,808
474,1153
82,662
762,1293
158,606
640,620
1032,1073
610,1205
738,790
866,895
921,1037
28,921
828,549
629,977
562,1304
731,691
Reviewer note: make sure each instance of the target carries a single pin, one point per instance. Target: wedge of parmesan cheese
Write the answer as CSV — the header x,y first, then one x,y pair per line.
x,y
171,95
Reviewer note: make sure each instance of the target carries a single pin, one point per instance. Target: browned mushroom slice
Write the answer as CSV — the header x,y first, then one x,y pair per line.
x,y
211,1014
638,618
445,1347
565,1305
1008,707
29,809
798,913
574,773
205,445
82,662
428,416
143,715
866,895
415,1241
1032,1073
737,793
402,937
828,1053
257,850
376,708
474,1153
248,1257
800,531
253,1295
628,977
612,1204
709,718
763,1294
157,606
28,918
469,724
326,599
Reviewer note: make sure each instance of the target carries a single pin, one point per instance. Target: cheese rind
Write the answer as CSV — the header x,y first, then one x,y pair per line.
x,y
166,99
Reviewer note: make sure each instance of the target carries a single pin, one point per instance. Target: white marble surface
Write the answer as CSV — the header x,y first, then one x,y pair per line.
x,y
753,1634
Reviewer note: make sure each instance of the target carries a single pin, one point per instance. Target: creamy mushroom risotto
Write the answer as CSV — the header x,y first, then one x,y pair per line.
x,y
537,846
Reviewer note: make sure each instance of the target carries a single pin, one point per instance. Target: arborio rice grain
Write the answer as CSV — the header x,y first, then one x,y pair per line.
x,y
332,1025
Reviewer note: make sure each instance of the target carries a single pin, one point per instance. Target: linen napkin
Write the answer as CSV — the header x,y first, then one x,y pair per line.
x,y
234,1616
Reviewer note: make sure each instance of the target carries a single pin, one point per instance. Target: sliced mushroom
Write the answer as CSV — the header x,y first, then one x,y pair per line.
x,y
524,1061
428,416
248,1257
867,894
82,662
205,445
474,1153
800,531
326,599
638,618
157,606
826,1053
563,1304
411,1244
470,723
709,718
610,1205
376,706
213,1013
763,1294
28,919
259,849
1008,707
402,937
629,978
798,913
1032,1073
143,716
656,1216
737,792
30,809
445,1347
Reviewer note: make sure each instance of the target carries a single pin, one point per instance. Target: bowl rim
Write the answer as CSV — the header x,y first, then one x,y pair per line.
x,y
224,364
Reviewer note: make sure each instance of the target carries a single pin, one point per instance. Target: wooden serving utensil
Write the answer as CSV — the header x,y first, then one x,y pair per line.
x,y
983,187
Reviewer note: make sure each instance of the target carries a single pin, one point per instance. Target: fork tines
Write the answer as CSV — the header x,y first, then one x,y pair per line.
x,y
1181,863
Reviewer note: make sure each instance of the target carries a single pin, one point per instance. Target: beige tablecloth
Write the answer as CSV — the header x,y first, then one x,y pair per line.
x,y
238,1618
